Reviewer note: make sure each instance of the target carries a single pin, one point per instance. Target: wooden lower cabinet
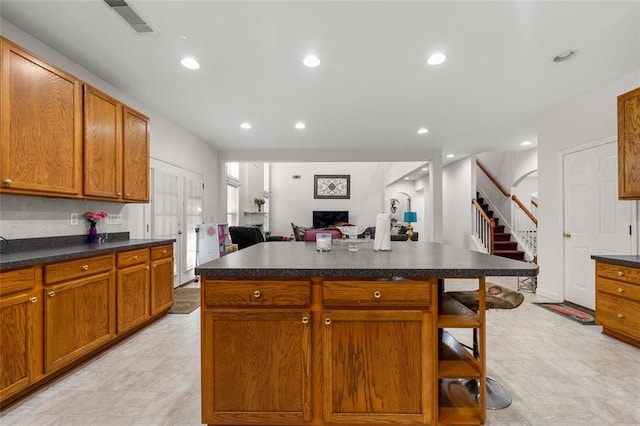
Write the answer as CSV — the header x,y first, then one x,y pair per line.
x,y
79,317
161,278
20,330
376,365
618,301
260,370
133,292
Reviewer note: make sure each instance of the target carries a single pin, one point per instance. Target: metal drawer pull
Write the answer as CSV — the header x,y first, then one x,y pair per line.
x,y
620,273
305,320
256,294
620,316
147,267
135,257
155,265
33,299
377,294
52,293
85,267
164,251
8,182
620,290
327,321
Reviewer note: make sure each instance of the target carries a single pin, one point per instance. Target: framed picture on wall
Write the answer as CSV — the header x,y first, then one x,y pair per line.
x,y
332,186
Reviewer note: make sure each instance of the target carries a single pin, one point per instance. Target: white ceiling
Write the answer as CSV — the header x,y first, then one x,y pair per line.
x,y
373,89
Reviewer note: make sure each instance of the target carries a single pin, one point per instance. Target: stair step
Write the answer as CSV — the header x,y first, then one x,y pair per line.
x,y
505,245
511,254
499,229
501,236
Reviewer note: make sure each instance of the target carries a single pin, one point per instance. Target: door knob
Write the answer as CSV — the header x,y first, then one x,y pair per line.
x,y
566,234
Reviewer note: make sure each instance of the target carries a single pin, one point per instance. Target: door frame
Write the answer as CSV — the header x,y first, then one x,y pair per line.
x,y
634,205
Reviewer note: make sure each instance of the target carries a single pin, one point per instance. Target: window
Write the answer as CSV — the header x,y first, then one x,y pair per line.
x,y
233,198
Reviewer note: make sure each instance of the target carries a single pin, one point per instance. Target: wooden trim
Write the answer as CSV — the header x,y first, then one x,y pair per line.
x,y
492,179
524,209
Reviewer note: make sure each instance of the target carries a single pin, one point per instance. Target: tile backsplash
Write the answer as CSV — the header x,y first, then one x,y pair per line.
x,y
25,216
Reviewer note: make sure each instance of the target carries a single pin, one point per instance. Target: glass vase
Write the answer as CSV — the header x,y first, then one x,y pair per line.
x,y
93,233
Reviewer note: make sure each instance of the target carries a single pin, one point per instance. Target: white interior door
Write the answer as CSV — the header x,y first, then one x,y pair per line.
x,y
175,209
595,221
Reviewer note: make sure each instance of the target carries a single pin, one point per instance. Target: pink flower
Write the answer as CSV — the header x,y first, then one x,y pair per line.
x,y
93,217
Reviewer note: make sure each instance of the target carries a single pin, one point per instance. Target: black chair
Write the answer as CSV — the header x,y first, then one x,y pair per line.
x,y
246,236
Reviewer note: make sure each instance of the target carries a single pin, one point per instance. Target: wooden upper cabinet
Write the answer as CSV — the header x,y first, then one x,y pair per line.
x,y
40,126
629,145
102,145
136,156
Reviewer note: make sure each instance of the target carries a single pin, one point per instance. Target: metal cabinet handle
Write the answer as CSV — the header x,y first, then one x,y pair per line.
x,y
33,299
620,290
620,273
620,316
147,267
52,293
135,257
155,265
164,251
327,320
8,182
85,267
305,320
377,294
119,194
127,194
256,294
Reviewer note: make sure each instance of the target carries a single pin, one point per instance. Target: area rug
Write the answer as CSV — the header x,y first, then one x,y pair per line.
x,y
577,313
185,300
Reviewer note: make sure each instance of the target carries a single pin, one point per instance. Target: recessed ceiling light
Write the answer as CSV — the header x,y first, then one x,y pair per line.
x,y
300,126
566,55
182,37
245,126
406,178
311,61
450,155
525,143
190,63
423,131
437,58
424,169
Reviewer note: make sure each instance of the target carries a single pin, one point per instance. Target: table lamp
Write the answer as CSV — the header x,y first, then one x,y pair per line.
x,y
410,217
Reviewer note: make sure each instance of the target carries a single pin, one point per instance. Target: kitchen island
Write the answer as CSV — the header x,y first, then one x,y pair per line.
x,y
294,336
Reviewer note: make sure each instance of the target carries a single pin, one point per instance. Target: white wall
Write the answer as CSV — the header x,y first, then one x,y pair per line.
x,y
458,187
592,117
292,199
28,216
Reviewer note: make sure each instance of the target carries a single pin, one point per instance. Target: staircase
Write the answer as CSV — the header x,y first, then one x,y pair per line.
x,y
502,244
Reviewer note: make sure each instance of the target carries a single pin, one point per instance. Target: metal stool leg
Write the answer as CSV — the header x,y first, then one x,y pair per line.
x,y
497,396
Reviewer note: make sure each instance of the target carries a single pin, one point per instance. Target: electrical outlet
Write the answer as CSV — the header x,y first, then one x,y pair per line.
x,y
73,219
114,219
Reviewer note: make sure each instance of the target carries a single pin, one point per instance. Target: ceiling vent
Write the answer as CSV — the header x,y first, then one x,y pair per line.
x,y
130,16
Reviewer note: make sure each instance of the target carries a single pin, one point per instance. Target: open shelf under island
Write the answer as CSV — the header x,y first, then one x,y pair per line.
x,y
292,336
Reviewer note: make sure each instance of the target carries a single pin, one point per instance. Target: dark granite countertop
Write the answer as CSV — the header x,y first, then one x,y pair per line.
x,y
56,249
622,260
407,259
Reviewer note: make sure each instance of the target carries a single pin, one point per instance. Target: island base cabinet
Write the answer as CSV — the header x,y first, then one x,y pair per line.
x,y
376,367
79,317
258,367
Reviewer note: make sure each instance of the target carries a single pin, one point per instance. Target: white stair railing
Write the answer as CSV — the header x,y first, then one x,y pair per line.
x,y
525,228
482,228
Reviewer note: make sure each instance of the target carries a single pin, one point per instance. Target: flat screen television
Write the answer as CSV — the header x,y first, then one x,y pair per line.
x,y
324,218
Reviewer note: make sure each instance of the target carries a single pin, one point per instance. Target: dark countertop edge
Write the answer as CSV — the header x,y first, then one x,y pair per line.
x,y
38,257
366,273
624,260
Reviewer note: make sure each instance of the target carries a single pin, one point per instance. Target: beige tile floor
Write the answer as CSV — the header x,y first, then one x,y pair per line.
x,y
558,371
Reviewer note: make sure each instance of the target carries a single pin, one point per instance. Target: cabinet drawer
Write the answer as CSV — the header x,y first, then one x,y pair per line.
x,y
619,288
18,280
77,268
257,293
376,293
619,314
161,251
617,272
133,257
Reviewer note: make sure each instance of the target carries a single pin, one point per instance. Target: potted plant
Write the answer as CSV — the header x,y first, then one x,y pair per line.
x,y
259,202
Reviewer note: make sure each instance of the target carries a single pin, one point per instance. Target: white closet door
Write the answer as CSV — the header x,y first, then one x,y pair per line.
x,y
165,218
192,213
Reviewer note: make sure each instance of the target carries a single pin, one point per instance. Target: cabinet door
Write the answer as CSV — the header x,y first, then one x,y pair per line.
x,y
258,367
377,367
161,285
628,142
133,296
17,317
79,317
102,145
41,126
136,156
